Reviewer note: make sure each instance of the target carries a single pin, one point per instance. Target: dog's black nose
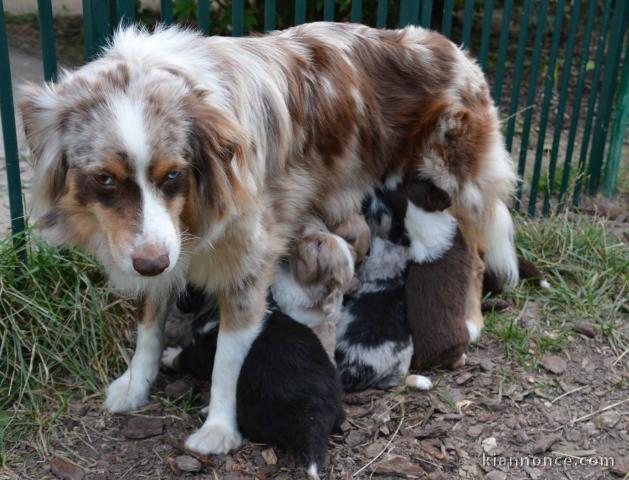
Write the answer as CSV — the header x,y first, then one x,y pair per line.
x,y
149,267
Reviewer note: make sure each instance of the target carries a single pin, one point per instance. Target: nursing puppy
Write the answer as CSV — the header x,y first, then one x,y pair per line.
x,y
174,157
443,278
288,392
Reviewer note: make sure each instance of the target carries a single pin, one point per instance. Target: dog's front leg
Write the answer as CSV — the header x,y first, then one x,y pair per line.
x,y
242,311
131,389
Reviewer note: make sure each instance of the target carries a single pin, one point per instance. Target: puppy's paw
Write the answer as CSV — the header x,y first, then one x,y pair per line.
x,y
170,356
126,394
473,329
419,382
460,362
214,438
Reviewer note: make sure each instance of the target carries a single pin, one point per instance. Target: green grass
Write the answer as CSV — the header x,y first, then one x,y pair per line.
x,y
62,334
587,267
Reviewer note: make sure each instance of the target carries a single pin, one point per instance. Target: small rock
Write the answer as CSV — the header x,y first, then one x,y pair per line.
x,y
437,475
143,427
521,437
177,389
529,316
65,470
554,364
489,444
487,365
590,429
607,420
584,329
186,463
374,448
355,438
461,379
496,475
544,444
399,466
533,473
475,430
270,457
620,467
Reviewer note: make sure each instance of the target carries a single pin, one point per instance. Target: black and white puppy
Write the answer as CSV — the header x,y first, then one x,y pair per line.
x,y
288,392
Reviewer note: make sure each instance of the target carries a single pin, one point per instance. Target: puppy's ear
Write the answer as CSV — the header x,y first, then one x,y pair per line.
x,y
218,147
438,199
397,202
44,115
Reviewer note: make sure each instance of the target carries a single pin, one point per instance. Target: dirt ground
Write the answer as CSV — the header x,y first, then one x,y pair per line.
x,y
574,406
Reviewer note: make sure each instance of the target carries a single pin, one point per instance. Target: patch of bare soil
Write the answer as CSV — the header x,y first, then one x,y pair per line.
x,y
542,420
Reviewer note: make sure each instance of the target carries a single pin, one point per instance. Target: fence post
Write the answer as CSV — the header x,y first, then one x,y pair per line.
x,y
269,14
166,11
47,36
238,18
96,26
203,16
125,12
612,167
11,155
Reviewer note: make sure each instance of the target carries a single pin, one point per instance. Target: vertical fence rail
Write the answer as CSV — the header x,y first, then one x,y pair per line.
x,y
166,11
47,37
446,22
203,16
11,155
502,51
300,12
270,10
238,18
548,93
619,128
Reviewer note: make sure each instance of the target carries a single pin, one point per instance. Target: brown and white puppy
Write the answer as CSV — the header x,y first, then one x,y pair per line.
x,y
443,277
309,286
174,156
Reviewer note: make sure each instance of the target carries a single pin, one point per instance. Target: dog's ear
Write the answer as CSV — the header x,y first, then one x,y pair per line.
x,y
44,115
217,145
397,202
438,199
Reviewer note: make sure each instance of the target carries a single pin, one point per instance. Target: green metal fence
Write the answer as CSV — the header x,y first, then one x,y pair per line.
x,y
559,72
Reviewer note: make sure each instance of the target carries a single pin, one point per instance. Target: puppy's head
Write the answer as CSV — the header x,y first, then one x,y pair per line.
x,y
425,194
323,263
130,161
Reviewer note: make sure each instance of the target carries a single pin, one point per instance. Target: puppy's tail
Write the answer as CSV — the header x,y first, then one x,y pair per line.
x,y
501,260
528,271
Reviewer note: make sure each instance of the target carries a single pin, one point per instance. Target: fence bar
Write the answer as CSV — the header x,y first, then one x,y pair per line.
x,y
300,12
446,22
238,18
270,14
166,11
589,117
575,16
328,11
203,15
357,11
530,96
47,37
517,80
125,11
487,23
381,21
502,51
413,13
612,167
468,19
96,26
426,16
405,7
548,94
607,95
11,155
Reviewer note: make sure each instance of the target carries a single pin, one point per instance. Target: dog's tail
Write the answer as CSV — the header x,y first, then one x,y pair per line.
x,y
501,261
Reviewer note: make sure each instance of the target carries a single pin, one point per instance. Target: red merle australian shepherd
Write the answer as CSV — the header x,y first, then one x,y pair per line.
x,y
174,157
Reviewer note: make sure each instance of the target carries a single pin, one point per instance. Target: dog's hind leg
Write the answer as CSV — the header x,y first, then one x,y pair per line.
x,y
131,389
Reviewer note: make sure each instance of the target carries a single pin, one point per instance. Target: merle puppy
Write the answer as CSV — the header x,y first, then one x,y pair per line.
x,y
288,392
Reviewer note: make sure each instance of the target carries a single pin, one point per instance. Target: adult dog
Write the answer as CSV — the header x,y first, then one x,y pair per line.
x,y
175,156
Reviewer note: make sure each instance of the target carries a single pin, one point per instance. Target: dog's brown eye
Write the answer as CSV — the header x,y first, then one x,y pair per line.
x,y
106,180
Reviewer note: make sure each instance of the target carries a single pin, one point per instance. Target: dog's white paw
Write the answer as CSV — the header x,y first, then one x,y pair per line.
x,y
169,356
418,382
125,394
473,330
214,438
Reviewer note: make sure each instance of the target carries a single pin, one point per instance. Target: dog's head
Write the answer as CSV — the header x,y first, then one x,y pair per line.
x,y
131,161
323,263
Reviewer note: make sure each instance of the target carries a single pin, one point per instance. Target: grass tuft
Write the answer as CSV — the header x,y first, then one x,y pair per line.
x,y
587,265
62,334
